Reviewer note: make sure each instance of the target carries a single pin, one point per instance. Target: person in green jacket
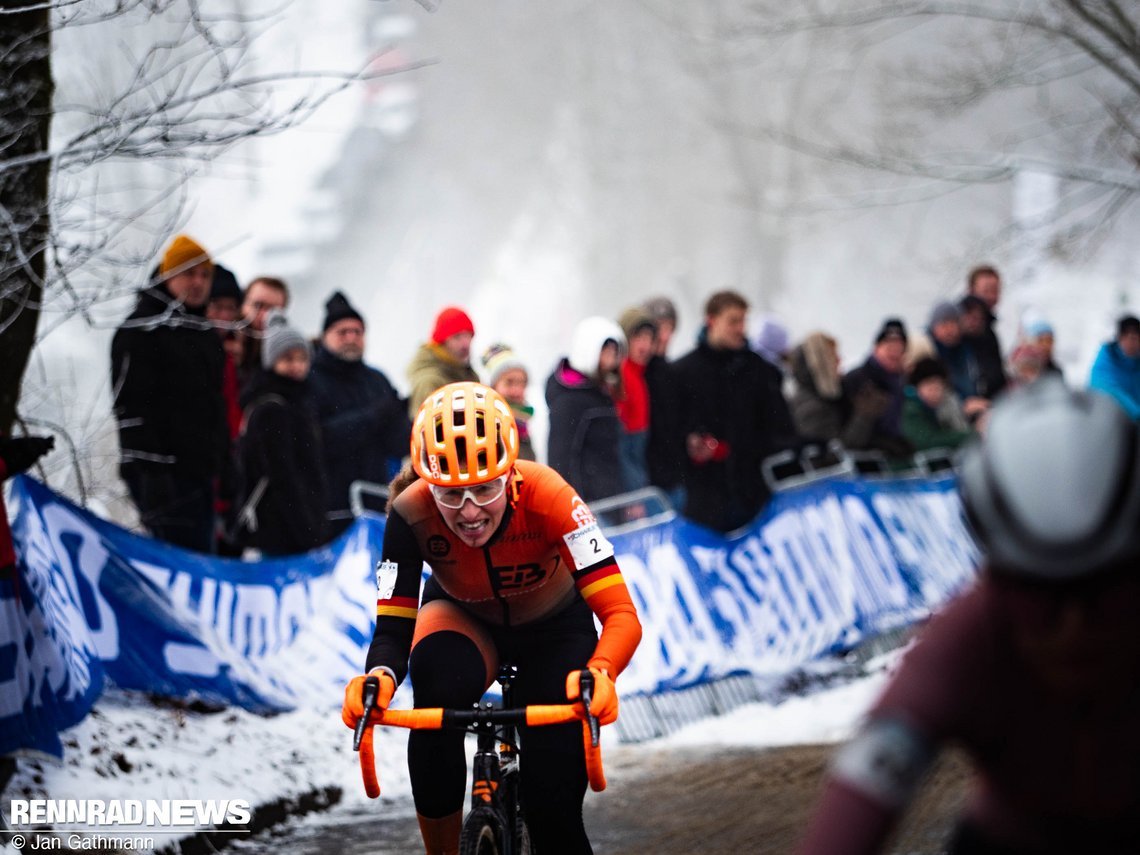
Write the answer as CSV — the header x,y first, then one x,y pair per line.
x,y
921,423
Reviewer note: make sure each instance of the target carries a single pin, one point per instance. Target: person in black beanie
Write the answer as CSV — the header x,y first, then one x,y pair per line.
x,y
363,421
883,371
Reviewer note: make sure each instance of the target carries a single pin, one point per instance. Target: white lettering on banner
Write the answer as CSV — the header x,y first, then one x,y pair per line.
x,y
929,532
879,587
300,644
54,642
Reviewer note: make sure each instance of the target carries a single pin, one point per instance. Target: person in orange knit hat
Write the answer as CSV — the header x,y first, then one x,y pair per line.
x,y
446,358
166,369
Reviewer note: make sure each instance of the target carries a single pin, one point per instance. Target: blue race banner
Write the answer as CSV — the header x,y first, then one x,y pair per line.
x,y
824,567
270,635
50,667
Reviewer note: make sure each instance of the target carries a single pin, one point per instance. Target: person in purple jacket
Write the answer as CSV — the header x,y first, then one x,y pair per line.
x,y
1033,670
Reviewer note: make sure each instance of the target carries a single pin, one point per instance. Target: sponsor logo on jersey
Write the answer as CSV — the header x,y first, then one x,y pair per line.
x,y
519,576
581,514
438,546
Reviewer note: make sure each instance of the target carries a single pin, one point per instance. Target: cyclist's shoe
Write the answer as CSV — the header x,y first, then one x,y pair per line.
x,y
604,703
353,708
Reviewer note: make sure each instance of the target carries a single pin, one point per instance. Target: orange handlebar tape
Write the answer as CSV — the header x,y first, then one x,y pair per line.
x,y
538,714
368,765
594,771
428,718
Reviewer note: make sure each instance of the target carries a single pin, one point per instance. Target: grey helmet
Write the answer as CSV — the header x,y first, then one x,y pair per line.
x,y
1053,490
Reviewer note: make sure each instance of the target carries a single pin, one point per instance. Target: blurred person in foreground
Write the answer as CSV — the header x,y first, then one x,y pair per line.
x,y
1116,369
730,414
445,358
479,517
167,373
364,423
1032,669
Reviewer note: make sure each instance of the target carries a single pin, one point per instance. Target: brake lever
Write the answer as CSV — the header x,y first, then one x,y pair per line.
x,y
586,692
370,692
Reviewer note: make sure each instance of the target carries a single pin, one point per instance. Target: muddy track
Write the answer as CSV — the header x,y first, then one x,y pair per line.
x,y
659,802
743,801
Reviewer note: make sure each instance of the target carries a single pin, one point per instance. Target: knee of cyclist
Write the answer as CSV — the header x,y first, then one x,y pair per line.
x,y
446,669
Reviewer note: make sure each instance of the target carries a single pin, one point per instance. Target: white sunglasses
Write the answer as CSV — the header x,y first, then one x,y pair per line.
x,y
481,494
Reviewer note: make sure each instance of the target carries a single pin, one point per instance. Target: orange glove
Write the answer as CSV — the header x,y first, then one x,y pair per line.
x,y
353,707
604,703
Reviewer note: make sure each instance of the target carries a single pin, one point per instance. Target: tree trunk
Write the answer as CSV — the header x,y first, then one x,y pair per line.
x,y
26,88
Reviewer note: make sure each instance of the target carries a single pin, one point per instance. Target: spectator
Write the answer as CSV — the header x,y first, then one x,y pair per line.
x,y
445,359
584,426
17,454
731,415
984,284
664,315
364,424
1116,369
820,410
1026,364
1039,332
263,295
167,367
883,370
224,311
663,452
923,421
283,497
635,405
771,341
509,377
943,341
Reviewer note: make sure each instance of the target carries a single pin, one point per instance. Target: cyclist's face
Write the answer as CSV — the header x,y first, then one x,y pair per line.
x,y
471,523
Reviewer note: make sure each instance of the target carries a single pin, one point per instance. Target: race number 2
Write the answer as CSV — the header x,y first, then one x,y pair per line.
x,y
588,545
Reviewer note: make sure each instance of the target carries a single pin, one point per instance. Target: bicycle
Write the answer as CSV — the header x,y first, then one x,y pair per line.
x,y
495,825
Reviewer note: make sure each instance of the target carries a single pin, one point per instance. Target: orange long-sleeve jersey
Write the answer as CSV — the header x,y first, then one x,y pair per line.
x,y
547,551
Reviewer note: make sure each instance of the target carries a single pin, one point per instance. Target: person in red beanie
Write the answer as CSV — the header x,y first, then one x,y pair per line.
x,y
445,359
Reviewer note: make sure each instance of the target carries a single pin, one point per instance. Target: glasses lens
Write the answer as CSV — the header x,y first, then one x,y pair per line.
x,y
480,494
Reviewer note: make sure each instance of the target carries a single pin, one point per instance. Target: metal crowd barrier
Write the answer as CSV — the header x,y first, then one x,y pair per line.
x,y
357,490
814,462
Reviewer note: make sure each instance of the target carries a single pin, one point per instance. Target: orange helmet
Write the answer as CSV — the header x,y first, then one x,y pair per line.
x,y
464,433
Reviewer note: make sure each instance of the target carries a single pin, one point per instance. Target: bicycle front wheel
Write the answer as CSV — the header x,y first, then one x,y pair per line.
x,y
483,833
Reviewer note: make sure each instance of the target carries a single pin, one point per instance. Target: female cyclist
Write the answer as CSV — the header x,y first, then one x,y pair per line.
x,y
1033,670
519,568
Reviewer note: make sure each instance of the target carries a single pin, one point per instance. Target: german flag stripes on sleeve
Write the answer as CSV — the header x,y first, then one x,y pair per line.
x,y
604,590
